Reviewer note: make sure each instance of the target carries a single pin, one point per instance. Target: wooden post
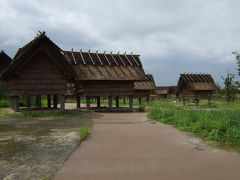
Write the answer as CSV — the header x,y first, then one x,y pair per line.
x,y
11,103
124,100
209,102
140,101
148,99
49,100
62,102
130,102
55,97
98,102
78,102
16,103
39,102
28,101
109,101
117,101
88,102
184,103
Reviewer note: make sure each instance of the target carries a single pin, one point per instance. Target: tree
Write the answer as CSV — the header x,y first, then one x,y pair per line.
x,y
229,89
238,60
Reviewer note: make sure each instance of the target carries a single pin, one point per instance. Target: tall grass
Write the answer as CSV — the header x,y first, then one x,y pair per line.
x,y
221,124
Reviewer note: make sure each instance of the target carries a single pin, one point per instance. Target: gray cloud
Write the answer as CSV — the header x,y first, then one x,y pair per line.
x,y
172,36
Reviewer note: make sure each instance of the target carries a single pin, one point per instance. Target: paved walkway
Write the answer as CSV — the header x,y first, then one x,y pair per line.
x,y
128,146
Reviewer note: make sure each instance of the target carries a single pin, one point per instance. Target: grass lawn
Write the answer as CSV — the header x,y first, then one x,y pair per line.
x,y
220,122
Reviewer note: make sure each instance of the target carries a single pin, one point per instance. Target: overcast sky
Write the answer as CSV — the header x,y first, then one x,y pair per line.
x,y
172,36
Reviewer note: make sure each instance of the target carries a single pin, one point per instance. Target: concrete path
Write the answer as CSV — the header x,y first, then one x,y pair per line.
x,y
128,146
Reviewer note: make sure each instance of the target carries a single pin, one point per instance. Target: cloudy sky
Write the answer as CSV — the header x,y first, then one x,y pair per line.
x,y
172,36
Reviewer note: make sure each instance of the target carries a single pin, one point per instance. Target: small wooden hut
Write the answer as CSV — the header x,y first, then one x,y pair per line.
x,y
38,68
144,89
161,92
195,86
5,60
105,75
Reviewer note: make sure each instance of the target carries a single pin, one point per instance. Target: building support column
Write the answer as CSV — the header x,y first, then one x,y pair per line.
x,y
117,101
130,102
124,100
16,103
110,102
98,102
88,102
49,100
148,99
55,100
62,102
209,102
184,101
78,102
28,101
140,101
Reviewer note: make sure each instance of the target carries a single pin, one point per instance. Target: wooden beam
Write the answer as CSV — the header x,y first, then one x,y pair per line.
x,y
117,101
16,103
134,59
82,57
74,59
62,102
110,102
91,57
28,101
98,102
78,102
107,58
88,103
128,59
49,100
121,59
99,58
140,101
66,56
55,100
131,102
114,58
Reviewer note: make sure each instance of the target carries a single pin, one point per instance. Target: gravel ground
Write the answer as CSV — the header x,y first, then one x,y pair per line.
x,y
35,148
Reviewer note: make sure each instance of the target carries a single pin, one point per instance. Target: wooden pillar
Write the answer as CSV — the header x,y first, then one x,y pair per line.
x,y
78,102
16,103
209,102
140,101
88,102
10,102
98,102
109,101
124,100
184,103
117,101
55,97
49,100
28,101
148,99
196,101
62,102
39,103
131,102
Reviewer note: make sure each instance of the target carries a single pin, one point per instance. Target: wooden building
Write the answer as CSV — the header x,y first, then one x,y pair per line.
x,y
5,60
38,68
195,86
161,92
105,75
144,89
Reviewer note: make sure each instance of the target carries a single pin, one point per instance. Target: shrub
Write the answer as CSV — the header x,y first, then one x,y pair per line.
x,y
84,132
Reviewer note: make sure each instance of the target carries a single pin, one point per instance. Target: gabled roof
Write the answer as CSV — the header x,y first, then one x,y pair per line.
x,y
197,82
5,60
41,41
147,84
103,66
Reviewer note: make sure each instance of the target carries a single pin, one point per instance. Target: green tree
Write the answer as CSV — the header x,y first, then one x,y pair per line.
x,y
230,88
238,60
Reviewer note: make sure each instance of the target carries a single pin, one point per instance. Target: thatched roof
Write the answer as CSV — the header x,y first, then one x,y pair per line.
x,y
5,60
197,82
147,84
103,66
26,52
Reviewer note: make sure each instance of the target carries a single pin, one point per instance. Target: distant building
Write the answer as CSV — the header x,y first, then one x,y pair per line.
x,y
195,86
165,92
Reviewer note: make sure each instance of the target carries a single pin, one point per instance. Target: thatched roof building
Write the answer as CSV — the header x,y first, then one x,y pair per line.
x,y
5,60
195,86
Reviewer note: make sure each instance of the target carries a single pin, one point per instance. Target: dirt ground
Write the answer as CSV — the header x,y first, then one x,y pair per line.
x,y
129,146
35,148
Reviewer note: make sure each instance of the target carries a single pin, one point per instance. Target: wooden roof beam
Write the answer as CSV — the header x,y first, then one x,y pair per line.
x,y
121,58
73,56
84,62
67,58
128,59
134,58
91,57
99,58
106,58
114,58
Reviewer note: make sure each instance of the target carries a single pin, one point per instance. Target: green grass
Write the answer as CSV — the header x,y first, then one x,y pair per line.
x,y
84,132
219,123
